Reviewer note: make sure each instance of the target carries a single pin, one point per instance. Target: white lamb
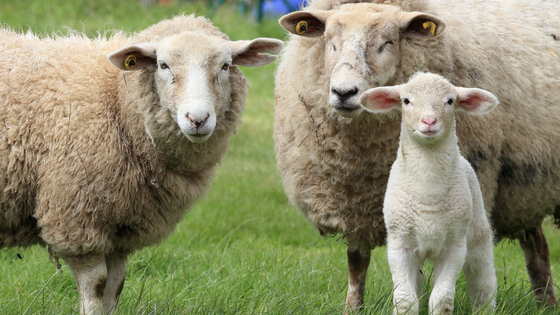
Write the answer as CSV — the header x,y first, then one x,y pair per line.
x,y
101,158
433,206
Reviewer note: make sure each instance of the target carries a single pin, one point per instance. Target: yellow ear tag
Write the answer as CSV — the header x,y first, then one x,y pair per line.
x,y
430,25
301,27
129,62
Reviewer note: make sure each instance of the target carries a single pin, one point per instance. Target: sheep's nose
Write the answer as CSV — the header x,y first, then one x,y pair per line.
x,y
429,121
344,94
197,122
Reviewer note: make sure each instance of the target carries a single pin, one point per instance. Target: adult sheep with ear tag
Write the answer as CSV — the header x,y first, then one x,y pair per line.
x,y
433,206
334,158
99,159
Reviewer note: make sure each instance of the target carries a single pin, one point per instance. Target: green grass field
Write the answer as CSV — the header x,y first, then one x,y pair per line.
x,y
242,249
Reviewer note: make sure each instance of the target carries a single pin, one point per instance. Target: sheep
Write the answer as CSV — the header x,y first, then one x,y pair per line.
x,y
334,168
433,206
106,143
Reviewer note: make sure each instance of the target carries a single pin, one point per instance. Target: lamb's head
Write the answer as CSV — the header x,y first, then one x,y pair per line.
x,y
191,71
428,103
362,45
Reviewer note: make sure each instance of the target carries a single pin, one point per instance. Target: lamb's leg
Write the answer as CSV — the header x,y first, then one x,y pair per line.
x,y
446,271
90,273
537,262
480,273
358,263
116,273
405,273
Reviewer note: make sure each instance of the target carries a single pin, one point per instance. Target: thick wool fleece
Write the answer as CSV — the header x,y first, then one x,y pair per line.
x,y
88,160
335,169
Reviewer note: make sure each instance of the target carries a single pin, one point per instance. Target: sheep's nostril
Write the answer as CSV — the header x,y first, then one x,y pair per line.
x,y
196,122
344,94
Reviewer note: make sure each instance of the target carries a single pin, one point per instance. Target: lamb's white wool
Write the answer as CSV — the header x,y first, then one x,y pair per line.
x,y
334,158
433,206
96,162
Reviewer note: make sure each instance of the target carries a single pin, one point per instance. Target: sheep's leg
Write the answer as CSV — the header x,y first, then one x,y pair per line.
x,y
116,273
480,274
405,268
90,273
446,271
537,262
358,263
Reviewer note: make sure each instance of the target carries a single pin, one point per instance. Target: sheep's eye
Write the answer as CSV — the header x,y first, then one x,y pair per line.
x,y
406,101
389,42
450,101
225,67
163,65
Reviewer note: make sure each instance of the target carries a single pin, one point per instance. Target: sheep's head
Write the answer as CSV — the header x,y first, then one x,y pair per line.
x,y
191,71
362,43
428,103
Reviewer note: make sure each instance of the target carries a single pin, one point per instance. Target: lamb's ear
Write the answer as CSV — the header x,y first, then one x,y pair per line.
x,y
381,99
420,25
253,53
134,57
305,23
475,100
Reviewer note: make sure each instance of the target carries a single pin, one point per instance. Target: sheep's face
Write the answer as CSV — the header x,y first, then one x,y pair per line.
x,y
191,71
428,103
361,45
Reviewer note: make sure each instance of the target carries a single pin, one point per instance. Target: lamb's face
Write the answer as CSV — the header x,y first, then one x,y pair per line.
x,y
192,76
362,43
428,103
428,109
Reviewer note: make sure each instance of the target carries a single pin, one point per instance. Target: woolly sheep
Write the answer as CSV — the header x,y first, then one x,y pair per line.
x,y
433,207
96,162
334,167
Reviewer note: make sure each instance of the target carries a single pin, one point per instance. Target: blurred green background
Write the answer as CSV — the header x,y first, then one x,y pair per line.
x,y
242,249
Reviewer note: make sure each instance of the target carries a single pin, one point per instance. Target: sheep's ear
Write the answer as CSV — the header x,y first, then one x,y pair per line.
x,y
305,23
381,99
420,25
134,57
254,53
475,100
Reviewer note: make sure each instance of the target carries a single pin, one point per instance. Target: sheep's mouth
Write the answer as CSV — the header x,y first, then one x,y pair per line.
x,y
197,137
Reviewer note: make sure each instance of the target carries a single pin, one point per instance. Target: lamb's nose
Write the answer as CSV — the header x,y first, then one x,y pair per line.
x,y
429,121
344,94
197,122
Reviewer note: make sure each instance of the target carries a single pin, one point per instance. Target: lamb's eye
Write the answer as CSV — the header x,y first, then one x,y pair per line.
x,y
163,66
406,101
225,67
450,101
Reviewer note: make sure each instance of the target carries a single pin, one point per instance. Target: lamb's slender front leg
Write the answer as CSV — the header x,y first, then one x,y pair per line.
x,y
446,272
537,262
90,273
358,263
405,268
116,273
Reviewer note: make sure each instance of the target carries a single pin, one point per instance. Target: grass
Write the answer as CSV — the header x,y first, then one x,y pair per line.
x,y
242,249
